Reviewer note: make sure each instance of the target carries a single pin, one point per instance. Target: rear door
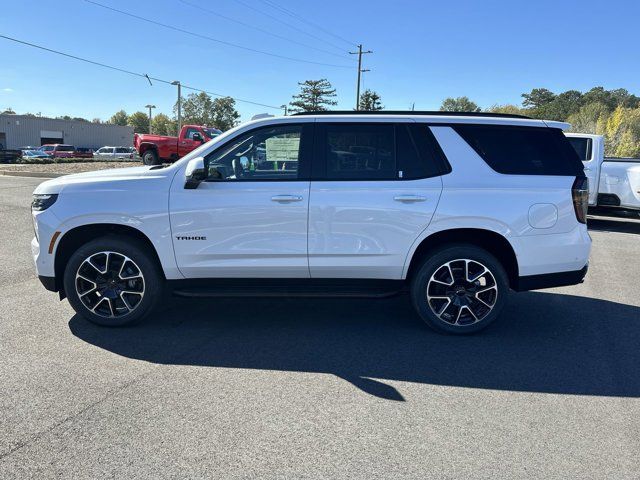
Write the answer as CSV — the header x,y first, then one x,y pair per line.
x,y
375,188
249,219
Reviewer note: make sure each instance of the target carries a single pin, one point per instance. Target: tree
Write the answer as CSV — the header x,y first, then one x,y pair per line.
x,y
96,120
587,119
225,115
315,95
9,111
537,98
119,118
197,109
80,119
163,125
508,108
140,122
459,104
370,101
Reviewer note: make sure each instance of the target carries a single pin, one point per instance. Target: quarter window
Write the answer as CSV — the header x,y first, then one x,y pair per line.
x,y
523,150
271,153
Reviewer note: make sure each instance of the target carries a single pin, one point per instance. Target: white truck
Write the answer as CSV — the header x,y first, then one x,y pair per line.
x,y
613,182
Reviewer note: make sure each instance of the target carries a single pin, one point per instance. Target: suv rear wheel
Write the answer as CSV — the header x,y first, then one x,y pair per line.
x,y
459,289
112,282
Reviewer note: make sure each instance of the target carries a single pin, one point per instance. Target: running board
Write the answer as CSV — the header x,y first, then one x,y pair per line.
x,y
301,288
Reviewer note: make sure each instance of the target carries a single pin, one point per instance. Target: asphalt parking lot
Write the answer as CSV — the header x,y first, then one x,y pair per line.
x,y
321,388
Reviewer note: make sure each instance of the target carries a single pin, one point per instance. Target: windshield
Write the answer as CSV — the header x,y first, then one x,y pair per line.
x,y
212,132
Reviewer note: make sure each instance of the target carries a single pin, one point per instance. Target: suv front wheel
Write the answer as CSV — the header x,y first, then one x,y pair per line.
x,y
112,282
459,289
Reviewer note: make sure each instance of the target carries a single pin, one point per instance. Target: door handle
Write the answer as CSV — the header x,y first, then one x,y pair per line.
x,y
409,198
286,198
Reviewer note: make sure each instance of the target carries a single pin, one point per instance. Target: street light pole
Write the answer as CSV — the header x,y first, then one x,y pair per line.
x,y
149,106
176,82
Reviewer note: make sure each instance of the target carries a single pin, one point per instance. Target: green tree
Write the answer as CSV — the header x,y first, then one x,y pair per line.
x,y
161,124
508,108
370,101
587,119
538,97
119,118
459,104
140,122
225,115
315,95
8,111
96,120
197,109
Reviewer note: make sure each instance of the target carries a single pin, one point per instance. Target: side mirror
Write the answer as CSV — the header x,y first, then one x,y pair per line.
x,y
195,173
196,137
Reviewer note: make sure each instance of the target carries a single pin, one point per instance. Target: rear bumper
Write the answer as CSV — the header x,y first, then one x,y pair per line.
x,y
550,280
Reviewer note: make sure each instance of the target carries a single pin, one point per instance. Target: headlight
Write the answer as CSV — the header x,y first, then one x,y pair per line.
x,y
42,202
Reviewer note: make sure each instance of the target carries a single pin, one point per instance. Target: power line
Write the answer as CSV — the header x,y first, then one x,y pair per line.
x,y
205,37
263,30
129,72
273,17
308,22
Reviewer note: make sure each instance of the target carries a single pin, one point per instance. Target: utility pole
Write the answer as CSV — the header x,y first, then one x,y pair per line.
x,y
284,107
149,106
360,71
176,82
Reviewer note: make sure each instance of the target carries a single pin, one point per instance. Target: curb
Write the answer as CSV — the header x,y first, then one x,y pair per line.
x,y
15,173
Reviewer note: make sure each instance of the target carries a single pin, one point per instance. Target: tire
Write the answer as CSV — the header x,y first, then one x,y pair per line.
x,y
150,157
459,306
111,281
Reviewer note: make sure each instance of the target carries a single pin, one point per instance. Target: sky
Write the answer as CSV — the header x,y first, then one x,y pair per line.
x,y
423,51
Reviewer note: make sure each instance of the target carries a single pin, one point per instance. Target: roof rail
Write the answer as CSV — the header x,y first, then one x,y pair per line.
x,y
411,112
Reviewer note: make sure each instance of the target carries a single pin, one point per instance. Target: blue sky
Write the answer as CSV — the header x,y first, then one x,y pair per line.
x,y
424,51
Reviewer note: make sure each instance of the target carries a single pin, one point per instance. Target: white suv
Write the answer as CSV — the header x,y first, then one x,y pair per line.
x,y
456,209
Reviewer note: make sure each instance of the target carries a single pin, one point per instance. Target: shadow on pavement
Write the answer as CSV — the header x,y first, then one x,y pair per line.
x,y
614,225
544,342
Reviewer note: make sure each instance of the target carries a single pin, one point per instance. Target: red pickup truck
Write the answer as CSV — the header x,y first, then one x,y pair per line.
x,y
156,149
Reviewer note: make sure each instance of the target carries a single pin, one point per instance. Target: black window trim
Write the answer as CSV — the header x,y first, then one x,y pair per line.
x,y
307,139
319,167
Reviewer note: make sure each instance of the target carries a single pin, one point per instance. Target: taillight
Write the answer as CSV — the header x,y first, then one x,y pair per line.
x,y
580,196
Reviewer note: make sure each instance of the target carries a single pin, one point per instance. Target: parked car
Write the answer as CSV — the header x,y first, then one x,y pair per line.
x,y
113,153
614,183
9,156
58,150
83,152
34,154
457,209
155,149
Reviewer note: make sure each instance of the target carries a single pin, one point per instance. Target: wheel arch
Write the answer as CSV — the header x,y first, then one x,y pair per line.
x,y
493,242
78,236
145,146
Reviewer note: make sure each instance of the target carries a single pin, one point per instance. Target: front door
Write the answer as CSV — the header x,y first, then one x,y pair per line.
x,y
187,143
249,219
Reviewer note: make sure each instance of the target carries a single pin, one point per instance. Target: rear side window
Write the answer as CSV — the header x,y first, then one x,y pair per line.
x,y
582,146
523,150
359,151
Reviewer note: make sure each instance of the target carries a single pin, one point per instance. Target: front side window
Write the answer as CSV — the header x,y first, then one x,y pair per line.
x,y
122,150
269,153
189,133
359,152
65,148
